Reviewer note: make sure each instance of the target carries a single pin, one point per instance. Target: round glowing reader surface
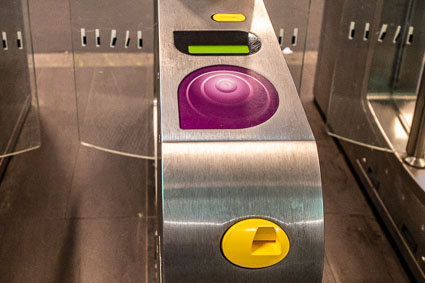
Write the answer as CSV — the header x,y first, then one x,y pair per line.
x,y
225,97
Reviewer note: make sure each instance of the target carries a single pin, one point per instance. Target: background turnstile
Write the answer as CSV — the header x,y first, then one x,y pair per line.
x,y
369,79
19,125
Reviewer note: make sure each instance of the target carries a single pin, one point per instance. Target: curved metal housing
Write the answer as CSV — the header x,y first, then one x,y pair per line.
x,y
211,179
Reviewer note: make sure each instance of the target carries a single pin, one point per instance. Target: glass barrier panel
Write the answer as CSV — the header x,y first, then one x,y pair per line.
x,y
19,119
114,67
396,68
113,45
376,72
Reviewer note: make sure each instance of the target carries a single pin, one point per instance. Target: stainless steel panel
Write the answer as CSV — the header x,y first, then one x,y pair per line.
x,y
209,186
212,178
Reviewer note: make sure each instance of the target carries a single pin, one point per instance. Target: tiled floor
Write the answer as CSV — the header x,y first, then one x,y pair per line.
x,y
74,214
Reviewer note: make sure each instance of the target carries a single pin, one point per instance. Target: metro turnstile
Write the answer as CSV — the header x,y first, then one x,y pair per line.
x,y
238,189
368,81
234,148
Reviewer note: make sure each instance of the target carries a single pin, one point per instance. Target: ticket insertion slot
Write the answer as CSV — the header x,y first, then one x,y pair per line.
x,y
397,34
97,32
213,43
4,40
383,33
352,31
281,35
19,40
409,39
366,31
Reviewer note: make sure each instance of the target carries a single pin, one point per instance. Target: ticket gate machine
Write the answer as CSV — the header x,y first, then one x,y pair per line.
x,y
238,171
238,190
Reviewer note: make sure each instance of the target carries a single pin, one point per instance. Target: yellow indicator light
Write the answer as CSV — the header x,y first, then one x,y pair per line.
x,y
228,17
255,243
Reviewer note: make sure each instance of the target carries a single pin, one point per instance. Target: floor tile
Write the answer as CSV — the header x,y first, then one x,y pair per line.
x,y
328,276
37,183
75,250
108,185
358,251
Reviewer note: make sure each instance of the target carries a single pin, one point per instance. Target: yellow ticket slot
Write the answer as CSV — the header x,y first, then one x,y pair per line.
x,y
228,17
255,243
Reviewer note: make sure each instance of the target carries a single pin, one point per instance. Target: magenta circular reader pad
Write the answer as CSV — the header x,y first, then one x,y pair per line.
x,y
225,97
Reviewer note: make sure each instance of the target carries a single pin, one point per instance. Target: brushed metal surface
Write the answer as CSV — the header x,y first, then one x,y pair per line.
x,y
212,178
210,186
289,122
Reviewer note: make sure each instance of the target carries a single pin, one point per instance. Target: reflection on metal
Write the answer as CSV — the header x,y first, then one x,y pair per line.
x,y
213,178
366,86
417,162
416,145
366,31
19,124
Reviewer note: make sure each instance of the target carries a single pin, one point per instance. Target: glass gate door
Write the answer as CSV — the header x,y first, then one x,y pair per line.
x,y
113,49
380,50
19,122
113,61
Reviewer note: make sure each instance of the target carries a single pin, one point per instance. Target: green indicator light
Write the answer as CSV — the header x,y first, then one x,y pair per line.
x,y
218,49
